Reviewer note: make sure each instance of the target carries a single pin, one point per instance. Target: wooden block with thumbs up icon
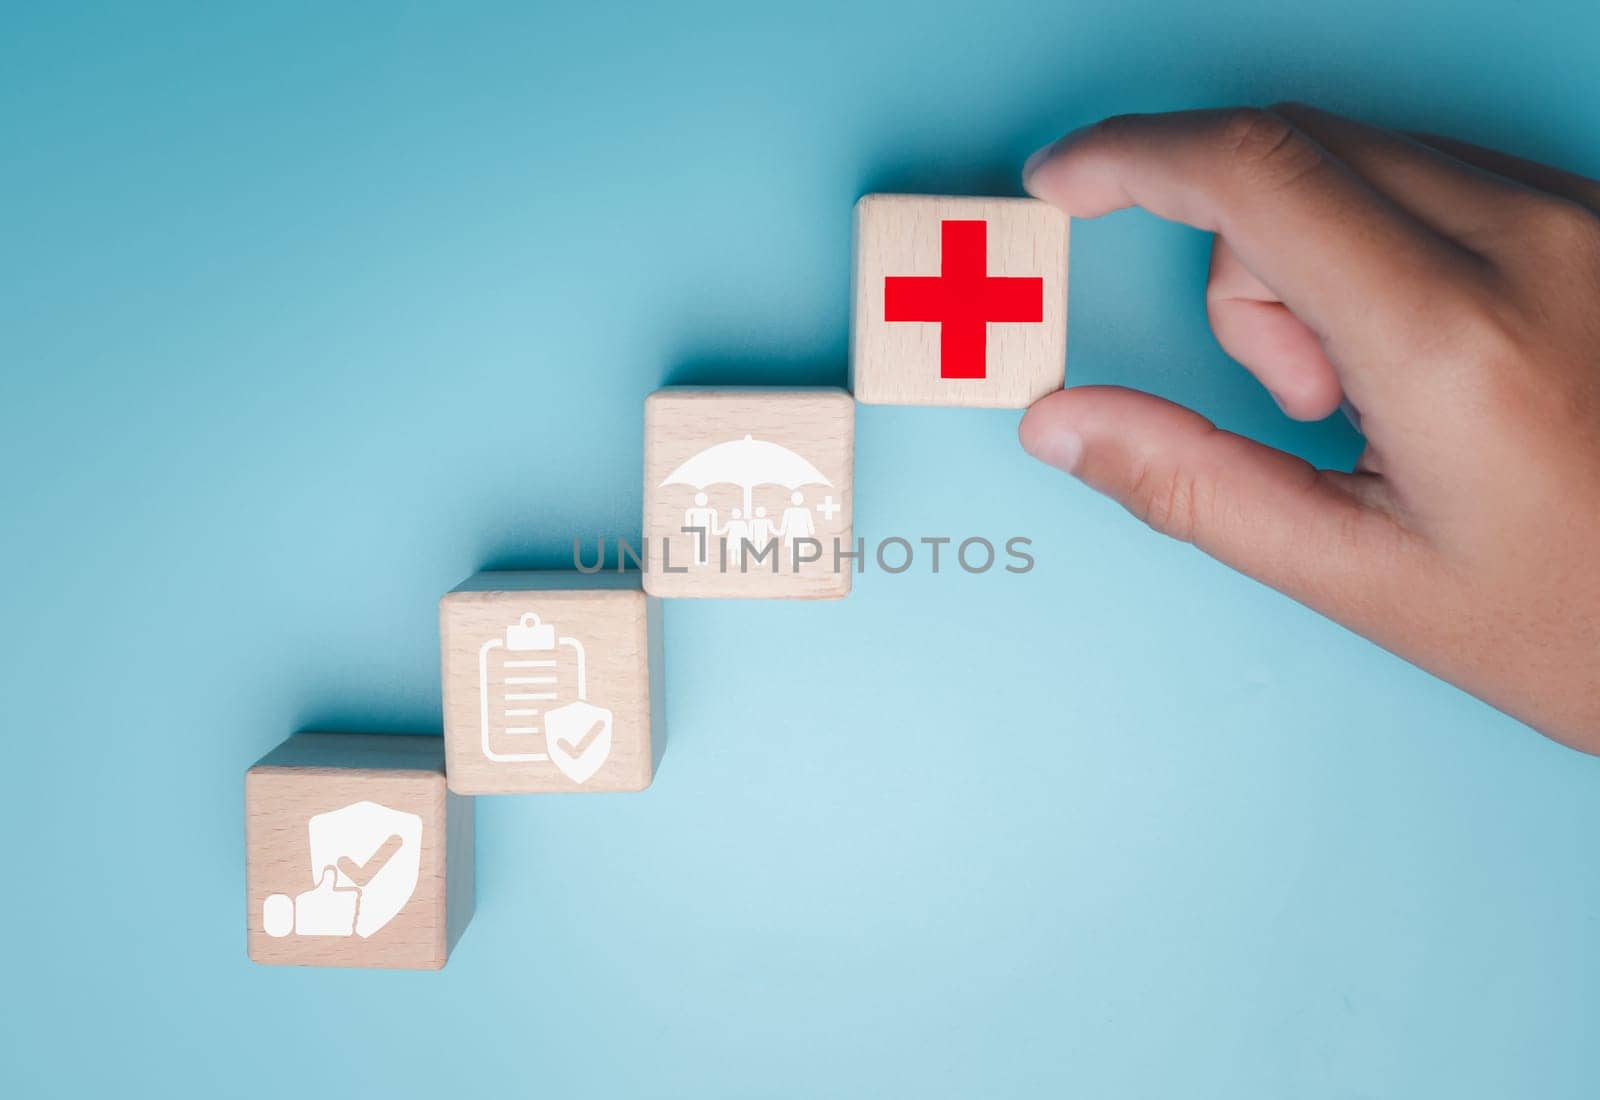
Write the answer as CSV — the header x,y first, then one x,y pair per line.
x,y
356,853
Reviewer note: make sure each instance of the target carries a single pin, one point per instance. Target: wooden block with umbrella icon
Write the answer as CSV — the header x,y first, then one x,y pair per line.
x,y
748,493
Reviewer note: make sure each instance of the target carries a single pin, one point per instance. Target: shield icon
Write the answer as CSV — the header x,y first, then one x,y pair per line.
x,y
373,849
578,739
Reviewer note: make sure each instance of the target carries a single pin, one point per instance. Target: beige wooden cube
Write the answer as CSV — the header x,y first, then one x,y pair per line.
x,y
958,301
748,493
355,853
552,683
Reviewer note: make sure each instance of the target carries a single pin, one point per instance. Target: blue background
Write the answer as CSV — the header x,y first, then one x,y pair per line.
x,y
310,311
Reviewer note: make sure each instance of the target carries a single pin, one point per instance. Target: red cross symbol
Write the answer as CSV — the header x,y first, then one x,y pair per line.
x,y
963,298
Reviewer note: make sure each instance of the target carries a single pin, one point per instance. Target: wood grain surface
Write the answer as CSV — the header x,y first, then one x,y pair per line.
x,y
898,363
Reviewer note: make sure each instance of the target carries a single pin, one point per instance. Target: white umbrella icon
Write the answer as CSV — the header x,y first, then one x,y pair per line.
x,y
746,463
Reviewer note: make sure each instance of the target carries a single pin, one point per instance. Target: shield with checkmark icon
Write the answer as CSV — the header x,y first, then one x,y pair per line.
x,y
578,739
372,850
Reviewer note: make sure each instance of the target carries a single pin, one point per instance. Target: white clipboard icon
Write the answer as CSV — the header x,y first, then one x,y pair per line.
x,y
532,683
526,692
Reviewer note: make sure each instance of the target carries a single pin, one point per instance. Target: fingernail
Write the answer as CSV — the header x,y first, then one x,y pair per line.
x,y
1039,156
1061,449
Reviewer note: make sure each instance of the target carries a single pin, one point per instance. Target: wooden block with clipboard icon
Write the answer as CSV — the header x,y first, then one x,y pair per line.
x,y
548,683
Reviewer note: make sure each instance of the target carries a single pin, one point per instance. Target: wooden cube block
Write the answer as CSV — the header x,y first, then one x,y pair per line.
x,y
747,492
958,301
552,683
356,854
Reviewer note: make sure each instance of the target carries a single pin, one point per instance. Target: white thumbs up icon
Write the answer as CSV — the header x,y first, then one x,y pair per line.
x,y
366,860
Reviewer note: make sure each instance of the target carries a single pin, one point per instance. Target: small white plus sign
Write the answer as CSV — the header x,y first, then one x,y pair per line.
x,y
828,507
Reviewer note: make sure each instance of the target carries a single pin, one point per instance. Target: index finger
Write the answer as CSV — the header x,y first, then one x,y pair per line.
x,y
1363,274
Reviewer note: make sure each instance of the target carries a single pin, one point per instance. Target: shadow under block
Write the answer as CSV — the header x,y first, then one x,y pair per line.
x,y
958,301
355,853
552,683
748,493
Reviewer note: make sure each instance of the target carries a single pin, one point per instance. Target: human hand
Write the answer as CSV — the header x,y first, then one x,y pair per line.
x,y
1451,296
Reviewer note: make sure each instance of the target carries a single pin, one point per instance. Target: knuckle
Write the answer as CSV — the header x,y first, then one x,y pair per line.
x,y
1484,342
1167,501
1475,329
1266,148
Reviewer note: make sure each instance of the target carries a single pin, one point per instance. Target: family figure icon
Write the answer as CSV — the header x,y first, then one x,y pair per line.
x,y
756,527
748,464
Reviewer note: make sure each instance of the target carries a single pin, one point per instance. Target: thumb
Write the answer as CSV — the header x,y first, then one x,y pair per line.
x,y
1267,514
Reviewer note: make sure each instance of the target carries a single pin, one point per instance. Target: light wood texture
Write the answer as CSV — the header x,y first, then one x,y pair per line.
x,y
816,425
314,774
898,362
540,738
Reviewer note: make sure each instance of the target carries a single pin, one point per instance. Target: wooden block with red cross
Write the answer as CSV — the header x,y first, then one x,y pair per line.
x,y
958,301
